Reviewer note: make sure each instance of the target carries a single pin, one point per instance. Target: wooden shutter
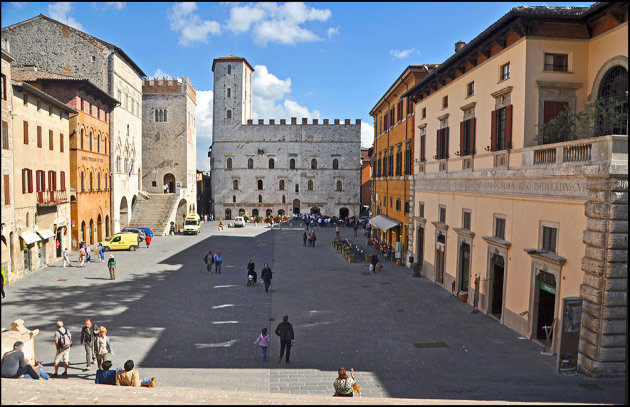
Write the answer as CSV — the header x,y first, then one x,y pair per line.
x,y
5,135
39,136
446,141
508,127
438,144
61,143
29,174
50,139
423,147
462,139
62,181
493,132
24,181
7,190
25,132
471,139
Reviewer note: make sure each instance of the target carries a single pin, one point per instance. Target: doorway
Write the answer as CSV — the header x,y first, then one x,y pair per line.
x,y
228,214
440,248
546,287
169,179
42,253
27,257
464,266
420,247
498,270
59,243
296,206
343,213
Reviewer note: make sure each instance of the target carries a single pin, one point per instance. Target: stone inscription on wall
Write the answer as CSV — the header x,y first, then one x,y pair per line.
x,y
96,159
558,188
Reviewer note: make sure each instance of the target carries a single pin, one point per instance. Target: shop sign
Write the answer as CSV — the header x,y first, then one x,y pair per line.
x,y
548,288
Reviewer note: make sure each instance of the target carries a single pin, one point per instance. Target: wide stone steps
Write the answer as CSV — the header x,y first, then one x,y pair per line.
x,y
153,212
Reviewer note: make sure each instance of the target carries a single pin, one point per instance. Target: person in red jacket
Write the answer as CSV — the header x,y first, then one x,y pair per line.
x,y
148,240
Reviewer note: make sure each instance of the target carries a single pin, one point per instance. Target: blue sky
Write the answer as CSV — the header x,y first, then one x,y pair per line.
x,y
315,60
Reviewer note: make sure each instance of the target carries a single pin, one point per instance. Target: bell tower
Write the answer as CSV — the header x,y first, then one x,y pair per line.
x,y
232,104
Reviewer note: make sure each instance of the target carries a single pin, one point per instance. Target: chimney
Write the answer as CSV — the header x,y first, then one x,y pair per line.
x,y
459,45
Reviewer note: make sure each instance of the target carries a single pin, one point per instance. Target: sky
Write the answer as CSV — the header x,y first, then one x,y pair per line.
x,y
316,60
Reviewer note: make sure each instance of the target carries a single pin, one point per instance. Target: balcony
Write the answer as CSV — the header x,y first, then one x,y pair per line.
x,y
51,198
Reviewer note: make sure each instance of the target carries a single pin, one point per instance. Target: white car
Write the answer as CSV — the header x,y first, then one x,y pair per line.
x,y
239,222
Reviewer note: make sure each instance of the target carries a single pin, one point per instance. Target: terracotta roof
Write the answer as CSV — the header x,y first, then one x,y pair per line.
x,y
231,58
28,75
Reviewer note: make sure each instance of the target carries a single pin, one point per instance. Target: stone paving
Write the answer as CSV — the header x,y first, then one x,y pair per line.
x,y
194,330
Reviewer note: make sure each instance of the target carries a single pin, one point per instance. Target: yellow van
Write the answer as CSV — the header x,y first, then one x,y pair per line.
x,y
121,241
192,224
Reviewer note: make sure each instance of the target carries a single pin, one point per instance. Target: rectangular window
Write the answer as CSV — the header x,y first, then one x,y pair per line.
x,y
25,132
442,214
5,135
409,106
467,137
466,220
4,86
556,62
421,209
392,115
424,112
52,180
445,102
7,189
470,89
62,180
50,140
39,136
505,71
442,144
406,208
40,179
499,228
61,142
549,235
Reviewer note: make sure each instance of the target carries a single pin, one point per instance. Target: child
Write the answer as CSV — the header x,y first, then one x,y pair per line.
x,y
263,341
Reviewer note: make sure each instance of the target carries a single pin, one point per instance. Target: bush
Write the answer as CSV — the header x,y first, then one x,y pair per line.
x,y
246,217
257,219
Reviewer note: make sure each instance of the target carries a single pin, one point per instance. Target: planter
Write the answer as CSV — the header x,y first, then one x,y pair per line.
x,y
368,258
398,262
464,297
352,258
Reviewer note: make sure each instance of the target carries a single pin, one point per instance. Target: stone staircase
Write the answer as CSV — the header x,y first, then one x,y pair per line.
x,y
153,211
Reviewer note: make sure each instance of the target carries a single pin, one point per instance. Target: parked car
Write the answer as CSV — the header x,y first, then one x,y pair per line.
x,y
147,231
192,224
239,222
135,230
121,241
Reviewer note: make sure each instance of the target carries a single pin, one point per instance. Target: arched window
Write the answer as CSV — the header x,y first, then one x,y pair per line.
x,y
310,185
229,92
259,198
229,114
105,144
156,116
284,199
335,164
339,186
90,141
235,184
229,69
105,178
233,198
98,143
229,164
81,140
161,119
98,182
250,163
165,115
313,164
613,96
254,212
82,185
91,185
271,163
281,185
297,187
260,184
292,164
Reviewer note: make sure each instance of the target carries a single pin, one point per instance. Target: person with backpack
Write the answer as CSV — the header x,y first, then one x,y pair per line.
x,y
63,342
111,265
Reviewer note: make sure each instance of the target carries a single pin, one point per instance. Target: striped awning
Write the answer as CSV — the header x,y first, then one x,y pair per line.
x,y
383,222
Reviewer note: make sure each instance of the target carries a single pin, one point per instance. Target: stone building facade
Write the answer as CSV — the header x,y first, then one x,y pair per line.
x,y
55,47
169,135
278,168
513,222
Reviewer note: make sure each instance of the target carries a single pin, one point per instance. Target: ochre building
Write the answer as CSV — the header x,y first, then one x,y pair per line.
x,y
518,221
392,160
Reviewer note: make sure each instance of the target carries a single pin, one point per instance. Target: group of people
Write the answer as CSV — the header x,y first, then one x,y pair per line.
x,y
215,259
287,338
265,275
309,240
84,255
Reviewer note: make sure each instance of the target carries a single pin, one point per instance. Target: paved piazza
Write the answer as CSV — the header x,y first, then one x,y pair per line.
x,y
188,328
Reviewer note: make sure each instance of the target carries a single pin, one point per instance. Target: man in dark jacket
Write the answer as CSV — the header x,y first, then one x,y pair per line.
x,y
265,276
87,340
285,332
251,270
374,262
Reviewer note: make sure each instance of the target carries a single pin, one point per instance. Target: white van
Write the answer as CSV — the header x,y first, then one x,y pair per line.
x,y
239,222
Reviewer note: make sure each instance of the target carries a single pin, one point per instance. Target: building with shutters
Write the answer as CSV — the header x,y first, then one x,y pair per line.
x,y
278,168
538,220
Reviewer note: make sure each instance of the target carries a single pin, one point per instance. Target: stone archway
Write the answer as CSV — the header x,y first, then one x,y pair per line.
x,y
182,212
99,228
296,206
169,179
91,234
343,213
124,213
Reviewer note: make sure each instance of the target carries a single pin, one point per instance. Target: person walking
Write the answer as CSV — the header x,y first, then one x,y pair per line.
x,y
66,258
220,224
313,239
101,253
263,341
111,265
287,338
88,257
3,282
147,239
355,227
82,256
103,347
251,271
304,237
87,340
374,262
265,276
63,342
218,259
165,188
209,260
337,228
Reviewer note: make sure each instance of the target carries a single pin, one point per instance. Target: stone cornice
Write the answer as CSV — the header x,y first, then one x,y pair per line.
x,y
555,84
546,257
443,117
422,126
465,232
503,91
440,225
468,106
495,241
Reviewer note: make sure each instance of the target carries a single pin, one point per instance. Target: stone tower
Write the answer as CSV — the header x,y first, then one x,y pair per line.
x,y
232,93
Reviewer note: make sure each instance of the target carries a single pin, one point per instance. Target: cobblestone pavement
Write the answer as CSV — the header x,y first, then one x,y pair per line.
x,y
191,329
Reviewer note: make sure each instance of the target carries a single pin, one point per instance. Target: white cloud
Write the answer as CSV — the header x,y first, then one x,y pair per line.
x,y
332,32
118,5
191,27
19,4
272,22
269,86
367,134
60,11
161,74
204,127
403,53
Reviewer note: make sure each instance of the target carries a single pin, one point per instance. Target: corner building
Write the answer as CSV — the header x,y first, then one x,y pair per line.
x,y
538,220
280,168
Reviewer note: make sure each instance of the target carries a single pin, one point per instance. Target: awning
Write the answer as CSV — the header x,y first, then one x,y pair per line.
x,y
30,238
59,222
46,233
383,222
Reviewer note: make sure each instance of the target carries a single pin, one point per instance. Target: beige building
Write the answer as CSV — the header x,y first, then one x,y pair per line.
x,y
41,169
538,220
